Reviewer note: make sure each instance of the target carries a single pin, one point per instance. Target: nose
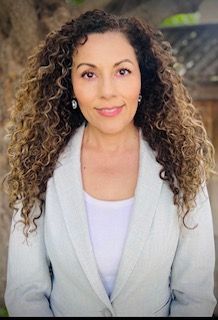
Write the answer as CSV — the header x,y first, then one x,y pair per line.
x,y
107,88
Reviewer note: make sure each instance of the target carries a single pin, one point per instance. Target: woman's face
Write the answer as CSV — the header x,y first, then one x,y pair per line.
x,y
106,81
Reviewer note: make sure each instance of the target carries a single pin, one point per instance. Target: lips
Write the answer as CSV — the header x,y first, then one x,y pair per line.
x,y
109,111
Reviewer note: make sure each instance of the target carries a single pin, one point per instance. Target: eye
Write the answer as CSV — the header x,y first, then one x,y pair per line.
x,y
124,72
88,75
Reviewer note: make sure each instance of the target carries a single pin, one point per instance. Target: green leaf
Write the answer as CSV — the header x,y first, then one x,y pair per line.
x,y
77,2
3,312
181,19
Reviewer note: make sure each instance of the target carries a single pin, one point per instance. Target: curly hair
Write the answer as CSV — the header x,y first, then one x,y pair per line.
x,y
42,120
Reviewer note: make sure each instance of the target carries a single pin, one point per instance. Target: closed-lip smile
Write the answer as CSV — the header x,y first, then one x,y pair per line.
x,y
109,111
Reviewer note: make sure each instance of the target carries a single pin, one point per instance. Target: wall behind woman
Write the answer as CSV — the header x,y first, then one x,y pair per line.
x,y
209,111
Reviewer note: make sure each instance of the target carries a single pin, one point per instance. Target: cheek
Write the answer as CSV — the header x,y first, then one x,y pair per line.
x,y
132,91
83,94
131,87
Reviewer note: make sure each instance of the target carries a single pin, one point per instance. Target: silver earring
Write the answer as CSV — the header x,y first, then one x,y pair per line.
x,y
74,104
139,98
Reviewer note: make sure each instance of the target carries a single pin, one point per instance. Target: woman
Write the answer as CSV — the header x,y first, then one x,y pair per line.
x,y
109,162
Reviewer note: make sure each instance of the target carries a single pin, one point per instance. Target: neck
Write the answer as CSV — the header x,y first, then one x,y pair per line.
x,y
111,142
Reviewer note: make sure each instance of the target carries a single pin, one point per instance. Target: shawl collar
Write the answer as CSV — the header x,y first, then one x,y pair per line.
x,y
68,182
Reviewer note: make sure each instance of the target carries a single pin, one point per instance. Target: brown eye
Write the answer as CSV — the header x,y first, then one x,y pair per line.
x,y
88,75
124,71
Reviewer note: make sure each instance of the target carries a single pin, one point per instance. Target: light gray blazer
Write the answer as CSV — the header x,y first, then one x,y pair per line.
x,y
165,269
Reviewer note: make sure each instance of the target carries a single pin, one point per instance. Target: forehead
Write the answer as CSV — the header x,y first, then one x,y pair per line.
x,y
103,47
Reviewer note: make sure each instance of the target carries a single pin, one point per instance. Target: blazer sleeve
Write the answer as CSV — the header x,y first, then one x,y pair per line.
x,y
192,277
28,283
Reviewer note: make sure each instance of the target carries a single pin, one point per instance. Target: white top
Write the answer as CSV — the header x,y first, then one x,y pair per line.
x,y
108,223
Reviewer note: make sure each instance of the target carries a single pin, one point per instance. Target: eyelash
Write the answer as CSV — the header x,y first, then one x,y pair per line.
x,y
125,69
84,74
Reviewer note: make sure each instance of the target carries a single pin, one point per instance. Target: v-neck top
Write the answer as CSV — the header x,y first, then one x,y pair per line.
x,y
108,224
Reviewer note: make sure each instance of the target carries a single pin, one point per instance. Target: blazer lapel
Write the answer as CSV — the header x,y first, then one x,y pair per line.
x,y
146,198
68,182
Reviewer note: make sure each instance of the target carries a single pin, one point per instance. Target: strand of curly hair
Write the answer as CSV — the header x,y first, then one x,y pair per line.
x,y
42,120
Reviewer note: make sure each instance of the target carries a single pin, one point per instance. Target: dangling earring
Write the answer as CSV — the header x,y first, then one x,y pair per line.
x,y
74,104
139,98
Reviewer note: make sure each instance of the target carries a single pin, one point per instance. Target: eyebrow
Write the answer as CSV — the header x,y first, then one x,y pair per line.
x,y
94,66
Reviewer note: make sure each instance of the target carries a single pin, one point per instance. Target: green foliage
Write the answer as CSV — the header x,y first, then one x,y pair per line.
x,y
77,2
3,312
181,19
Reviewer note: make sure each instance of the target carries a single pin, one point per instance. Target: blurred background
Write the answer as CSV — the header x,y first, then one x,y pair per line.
x,y
191,27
